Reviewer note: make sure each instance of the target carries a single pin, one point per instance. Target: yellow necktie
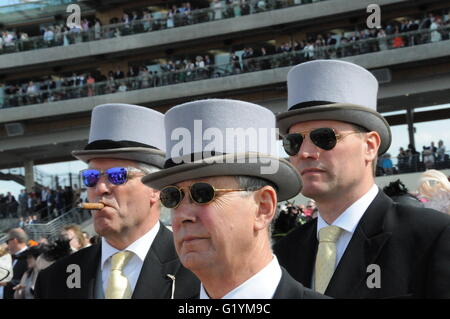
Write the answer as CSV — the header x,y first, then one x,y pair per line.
x,y
326,257
118,285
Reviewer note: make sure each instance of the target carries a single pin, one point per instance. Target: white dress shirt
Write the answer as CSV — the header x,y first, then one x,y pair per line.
x,y
131,270
348,221
262,285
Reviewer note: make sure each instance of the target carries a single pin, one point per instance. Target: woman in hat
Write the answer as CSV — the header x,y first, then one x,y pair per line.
x,y
25,289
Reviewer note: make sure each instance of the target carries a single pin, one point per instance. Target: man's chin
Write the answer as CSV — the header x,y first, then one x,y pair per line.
x,y
313,191
102,228
194,261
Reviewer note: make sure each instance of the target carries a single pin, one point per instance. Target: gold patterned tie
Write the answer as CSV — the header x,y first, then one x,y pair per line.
x,y
326,257
118,285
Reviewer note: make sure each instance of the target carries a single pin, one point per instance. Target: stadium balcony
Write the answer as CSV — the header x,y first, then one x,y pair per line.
x,y
252,73
50,131
14,12
37,53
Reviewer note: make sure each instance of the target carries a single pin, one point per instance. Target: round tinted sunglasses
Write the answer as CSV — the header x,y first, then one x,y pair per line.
x,y
325,138
115,175
200,193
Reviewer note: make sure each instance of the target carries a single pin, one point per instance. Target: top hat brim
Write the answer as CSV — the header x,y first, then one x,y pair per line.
x,y
350,113
145,155
286,178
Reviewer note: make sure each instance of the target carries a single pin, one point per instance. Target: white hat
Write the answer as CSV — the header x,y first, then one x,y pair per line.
x,y
334,90
125,131
219,137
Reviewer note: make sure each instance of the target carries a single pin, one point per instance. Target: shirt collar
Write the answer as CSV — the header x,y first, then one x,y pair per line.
x,y
262,285
20,251
350,218
140,247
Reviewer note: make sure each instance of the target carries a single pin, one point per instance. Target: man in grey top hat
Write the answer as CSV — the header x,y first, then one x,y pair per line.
x,y
136,257
362,245
222,181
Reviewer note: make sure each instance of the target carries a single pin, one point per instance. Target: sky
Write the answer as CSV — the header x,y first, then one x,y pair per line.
x,y
425,133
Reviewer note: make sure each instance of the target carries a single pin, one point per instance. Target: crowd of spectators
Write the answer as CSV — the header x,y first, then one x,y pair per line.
x,y
290,216
40,205
255,57
138,21
29,257
410,160
135,21
433,192
90,29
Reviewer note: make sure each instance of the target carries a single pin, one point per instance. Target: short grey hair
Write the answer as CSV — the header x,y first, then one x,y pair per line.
x,y
147,168
19,234
256,183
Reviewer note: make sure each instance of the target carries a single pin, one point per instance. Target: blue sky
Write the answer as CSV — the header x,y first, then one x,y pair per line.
x,y
425,133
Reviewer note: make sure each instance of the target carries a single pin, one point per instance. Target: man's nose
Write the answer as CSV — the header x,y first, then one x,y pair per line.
x,y
103,187
308,150
185,212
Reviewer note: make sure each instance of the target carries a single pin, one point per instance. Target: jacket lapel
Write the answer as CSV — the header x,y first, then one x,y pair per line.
x,y
349,278
308,249
301,257
287,288
90,262
161,260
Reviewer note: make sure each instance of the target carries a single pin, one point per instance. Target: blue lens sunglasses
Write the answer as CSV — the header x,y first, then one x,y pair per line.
x,y
115,175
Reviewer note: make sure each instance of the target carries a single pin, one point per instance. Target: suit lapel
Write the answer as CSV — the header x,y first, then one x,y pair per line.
x,y
161,259
288,288
90,262
349,278
297,252
307,250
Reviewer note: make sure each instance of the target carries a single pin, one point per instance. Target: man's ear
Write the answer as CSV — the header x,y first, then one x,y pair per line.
x,y
373,142
266,200
154,196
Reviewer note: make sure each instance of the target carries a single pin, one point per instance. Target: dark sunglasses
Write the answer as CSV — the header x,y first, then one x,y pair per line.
x,y
115,175
326,138
200,193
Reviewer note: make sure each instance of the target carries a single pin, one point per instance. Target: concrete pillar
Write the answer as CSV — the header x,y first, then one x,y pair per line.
x,y
29,175
410,123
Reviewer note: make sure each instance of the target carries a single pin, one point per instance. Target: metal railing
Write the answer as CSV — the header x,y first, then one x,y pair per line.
x,y
22,6
8,223
52,229
159,21
3,238
32,5
41,178
293,57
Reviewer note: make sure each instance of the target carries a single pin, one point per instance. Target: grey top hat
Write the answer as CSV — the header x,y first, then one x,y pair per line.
x,y
334,90
125,131
219,137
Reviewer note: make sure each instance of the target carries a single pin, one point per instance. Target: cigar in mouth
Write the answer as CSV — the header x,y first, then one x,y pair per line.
x,y
96,206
